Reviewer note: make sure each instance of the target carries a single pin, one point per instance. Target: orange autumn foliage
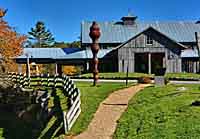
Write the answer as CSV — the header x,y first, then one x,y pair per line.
x,y
10,42
69,70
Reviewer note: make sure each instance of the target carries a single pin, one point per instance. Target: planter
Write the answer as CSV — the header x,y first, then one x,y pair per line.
x,y
160,72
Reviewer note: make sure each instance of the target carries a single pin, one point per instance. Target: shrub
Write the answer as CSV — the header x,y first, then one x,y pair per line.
x,y
166,80
144,80
72,70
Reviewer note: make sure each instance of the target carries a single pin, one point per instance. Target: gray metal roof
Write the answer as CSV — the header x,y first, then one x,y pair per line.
x,y
43,53
86,54
189,53
59,53
118,33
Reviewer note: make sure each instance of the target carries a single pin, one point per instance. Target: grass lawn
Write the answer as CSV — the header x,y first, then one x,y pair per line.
x,y
117,75
162,113
183,75
137,75
91,97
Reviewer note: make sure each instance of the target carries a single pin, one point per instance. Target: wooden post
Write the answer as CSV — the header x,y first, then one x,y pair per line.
x,y
94,35
56,70
19,68
27,65
127,72
149,63
59,69
66,127
133,62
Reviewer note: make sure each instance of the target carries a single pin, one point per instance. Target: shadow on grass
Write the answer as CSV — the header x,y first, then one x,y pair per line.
x,y
12,127
56,128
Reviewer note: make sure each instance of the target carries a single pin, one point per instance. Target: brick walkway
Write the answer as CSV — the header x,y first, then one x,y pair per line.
x,y
105,119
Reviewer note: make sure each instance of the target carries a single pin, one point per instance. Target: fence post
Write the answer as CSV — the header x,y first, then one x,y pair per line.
x,y
65,122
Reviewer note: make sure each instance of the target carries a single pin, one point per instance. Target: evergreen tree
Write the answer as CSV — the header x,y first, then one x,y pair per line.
x,y
40,36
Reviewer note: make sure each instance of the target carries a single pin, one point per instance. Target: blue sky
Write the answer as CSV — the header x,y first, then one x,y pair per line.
x,y
63,17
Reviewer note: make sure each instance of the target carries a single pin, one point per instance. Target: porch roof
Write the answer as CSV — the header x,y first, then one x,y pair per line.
x,y
189,53
47,53
60,53
86,54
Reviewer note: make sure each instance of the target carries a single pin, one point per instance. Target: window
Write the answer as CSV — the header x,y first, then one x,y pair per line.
x,y
149,40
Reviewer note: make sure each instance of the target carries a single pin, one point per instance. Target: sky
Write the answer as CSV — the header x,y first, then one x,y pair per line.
x,y
63,17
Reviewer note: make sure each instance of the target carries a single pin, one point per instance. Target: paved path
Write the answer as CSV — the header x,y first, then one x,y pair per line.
x,y
105,119
185,82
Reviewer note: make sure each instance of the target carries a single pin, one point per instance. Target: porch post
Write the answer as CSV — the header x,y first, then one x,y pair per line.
x,y
20,68
132,63
149,63
56,70
59,69
166,61
194,67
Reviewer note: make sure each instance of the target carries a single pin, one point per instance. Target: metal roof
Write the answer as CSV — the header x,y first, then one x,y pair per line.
x,y
71,50
61,53
189,53
44,52
121,45
86,54
118,33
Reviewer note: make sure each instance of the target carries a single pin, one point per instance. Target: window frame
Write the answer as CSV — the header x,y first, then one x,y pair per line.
x,y
149,40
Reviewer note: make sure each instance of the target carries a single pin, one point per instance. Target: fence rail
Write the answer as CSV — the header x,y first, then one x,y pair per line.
x,y
63,82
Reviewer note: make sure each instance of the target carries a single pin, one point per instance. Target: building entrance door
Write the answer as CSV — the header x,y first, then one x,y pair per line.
x,y
141,62
156,61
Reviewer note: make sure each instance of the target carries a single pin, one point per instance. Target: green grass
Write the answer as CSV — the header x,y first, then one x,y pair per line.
x,y
91,97
183,75
54,127
117,75
162,113
137,75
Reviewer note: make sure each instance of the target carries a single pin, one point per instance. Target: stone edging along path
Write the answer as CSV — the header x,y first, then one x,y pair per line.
x,y
104,123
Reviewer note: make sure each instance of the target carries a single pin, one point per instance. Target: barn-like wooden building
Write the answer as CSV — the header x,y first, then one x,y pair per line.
x,y
129,44
146,46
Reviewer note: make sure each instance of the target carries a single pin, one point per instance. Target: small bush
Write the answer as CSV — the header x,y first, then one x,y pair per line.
x,y
166,80
72,70
146,80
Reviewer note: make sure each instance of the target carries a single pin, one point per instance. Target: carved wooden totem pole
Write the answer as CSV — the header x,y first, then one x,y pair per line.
x,y
94,35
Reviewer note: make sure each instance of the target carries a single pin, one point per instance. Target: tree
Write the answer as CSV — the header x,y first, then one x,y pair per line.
x,y
40,36
10,43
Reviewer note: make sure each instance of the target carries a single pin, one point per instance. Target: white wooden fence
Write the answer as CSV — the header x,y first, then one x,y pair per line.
x,y
56,81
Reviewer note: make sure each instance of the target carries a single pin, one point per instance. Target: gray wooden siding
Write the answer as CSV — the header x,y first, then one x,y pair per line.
x,y
190,65
161,44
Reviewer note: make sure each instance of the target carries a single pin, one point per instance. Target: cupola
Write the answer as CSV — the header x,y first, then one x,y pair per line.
x,y
129,19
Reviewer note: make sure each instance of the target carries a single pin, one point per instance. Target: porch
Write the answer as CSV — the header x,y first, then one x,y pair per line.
x,y
149,62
